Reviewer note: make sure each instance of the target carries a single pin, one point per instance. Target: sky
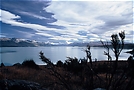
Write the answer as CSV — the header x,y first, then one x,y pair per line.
x,y
67,21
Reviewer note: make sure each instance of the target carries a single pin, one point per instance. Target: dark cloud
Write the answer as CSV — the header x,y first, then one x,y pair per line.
x,y
33,7
24,5
12,31
31,12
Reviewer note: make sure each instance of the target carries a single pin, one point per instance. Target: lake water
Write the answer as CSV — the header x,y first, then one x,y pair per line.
x,y
12,55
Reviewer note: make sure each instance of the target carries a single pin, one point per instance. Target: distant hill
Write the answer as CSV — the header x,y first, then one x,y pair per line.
x,y
126,46
129,46
99,44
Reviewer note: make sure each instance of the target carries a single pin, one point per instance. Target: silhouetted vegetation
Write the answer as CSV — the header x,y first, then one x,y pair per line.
x,y
30,63
54,72
59,63
73,65
2,65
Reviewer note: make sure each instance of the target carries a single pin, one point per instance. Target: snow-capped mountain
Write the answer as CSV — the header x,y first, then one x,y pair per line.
x,y
15,42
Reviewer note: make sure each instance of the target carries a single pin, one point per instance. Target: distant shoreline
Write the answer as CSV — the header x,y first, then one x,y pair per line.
x,y
126,46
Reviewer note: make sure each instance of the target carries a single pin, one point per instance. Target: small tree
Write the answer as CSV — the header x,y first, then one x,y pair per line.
x,y
88,53
117,43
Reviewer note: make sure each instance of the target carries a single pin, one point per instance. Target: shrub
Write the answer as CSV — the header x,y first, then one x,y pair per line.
x,y
30,63
73,65
59,64
2,65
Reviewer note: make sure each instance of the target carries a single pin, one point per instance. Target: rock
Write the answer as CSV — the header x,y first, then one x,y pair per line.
x,y
6,84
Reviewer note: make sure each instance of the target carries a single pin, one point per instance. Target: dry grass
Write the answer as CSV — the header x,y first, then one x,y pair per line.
x,y
42,76
24,73
45,77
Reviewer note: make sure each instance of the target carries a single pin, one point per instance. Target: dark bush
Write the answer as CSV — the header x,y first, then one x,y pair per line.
x,y
73,65
17,65
130,66
59,64
30,63
2,65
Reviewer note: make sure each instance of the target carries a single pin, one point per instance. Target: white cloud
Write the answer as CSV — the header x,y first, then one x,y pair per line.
x,y
5,15
10,18
44,34
83,15
85,12
1,35
32,15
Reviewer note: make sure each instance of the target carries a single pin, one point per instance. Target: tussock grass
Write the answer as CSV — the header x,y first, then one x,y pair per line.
x,y
45,77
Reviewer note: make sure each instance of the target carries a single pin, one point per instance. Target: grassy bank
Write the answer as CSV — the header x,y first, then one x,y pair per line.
x,y
78,81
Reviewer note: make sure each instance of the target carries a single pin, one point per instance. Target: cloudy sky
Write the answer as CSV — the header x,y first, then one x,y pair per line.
x,y
66,21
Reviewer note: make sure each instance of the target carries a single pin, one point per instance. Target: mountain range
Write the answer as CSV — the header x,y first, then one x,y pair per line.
x,y
15,42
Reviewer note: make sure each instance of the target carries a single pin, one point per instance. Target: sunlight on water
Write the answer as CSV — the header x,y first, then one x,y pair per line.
x,y
13,55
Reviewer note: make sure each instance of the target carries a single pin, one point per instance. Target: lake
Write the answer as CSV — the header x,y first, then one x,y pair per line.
x,y
12,55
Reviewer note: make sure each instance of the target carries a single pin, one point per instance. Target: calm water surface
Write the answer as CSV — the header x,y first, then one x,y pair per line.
x,y
11,55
